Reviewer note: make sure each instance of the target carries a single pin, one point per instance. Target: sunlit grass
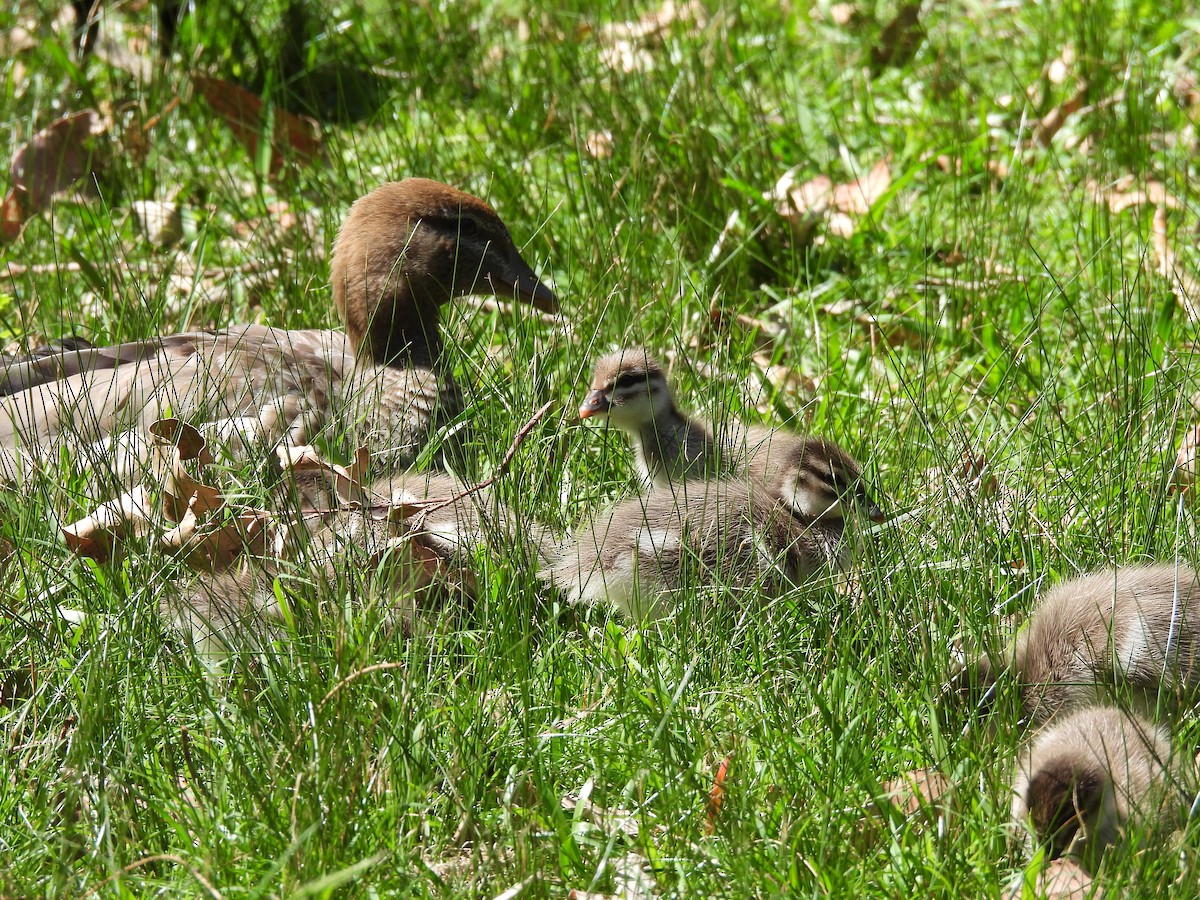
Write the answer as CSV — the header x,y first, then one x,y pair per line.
x,y
1012,317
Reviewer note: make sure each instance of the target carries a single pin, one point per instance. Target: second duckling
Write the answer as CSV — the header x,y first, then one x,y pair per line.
x,y
728,531
1093,775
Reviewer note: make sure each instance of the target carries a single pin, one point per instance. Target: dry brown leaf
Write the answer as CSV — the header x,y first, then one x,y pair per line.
x,y
184,438
1058,71
1062,879
55,158
12,216
654,25
845,14
95,535
839,204
1184,285
920,789
216,546
1125,193
1054,120
1186,90
243,112
899,40
348,483
174,442
50,162
599,144
1186,469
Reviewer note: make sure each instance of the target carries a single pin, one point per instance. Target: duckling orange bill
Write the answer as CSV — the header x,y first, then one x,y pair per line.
x,y
594,404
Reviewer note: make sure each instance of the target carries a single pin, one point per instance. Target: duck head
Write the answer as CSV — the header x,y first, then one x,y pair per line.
x,y
408,247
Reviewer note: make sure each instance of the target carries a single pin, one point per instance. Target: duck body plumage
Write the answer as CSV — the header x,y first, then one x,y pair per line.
x,y
1132,630
1093,775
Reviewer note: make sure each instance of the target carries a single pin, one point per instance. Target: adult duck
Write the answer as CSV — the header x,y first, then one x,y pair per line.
x,y
402,252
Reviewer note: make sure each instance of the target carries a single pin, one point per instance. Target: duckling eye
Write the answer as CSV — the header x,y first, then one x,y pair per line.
x,y
629,379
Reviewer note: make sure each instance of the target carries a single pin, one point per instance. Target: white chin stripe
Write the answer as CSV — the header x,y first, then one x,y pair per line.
x,y
812,504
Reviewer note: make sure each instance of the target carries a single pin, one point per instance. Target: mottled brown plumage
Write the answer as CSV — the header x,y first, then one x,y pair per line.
x,y
1093,775
403,251
732,532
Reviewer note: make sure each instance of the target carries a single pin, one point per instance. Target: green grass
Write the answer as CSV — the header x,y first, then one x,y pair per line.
x,y
346,761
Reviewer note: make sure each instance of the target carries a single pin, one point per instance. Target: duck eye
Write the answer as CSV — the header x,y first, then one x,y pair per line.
x,y
629,379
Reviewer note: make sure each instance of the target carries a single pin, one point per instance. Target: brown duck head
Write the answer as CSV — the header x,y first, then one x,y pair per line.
x,y
408,247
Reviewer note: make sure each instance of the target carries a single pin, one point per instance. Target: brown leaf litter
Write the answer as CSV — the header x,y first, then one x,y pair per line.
x,y
820,200
1183,283
49,163
294,137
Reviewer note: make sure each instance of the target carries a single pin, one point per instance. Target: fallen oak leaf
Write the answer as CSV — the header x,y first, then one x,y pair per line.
x,y
805,204
1062,879
12,216
1054,120
55,158
95,535
215,546
245,115
183,437
716,796
1125,193
1186,462
173,442
1184,285
48,163
652,27
920,789
347,483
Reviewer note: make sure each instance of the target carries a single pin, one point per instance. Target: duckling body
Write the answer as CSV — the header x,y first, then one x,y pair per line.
x,y
1133,627
630,388
725,531
403,251
1091,776
733,531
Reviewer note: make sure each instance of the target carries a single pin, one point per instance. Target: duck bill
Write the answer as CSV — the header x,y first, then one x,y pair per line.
x,y
521,282
874,513
594,404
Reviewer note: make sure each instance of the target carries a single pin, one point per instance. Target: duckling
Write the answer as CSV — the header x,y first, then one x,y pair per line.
x,y
630,388
402,252
1091,776
410,565
732,531
1133,626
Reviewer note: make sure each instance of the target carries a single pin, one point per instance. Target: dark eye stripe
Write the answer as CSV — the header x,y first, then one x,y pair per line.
x,y
630,379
